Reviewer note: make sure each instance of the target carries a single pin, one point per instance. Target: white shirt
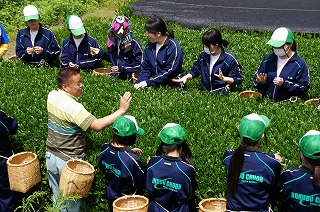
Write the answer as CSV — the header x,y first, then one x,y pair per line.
x,y
213,60
280,64
78,41
33,35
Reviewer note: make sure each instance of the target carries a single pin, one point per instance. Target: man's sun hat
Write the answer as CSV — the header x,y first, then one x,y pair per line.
x,y
281,36
310,144
126,125
172,133
252,126
30,12
74,23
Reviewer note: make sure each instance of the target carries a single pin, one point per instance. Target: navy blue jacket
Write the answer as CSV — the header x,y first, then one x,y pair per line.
x,y
227,62
160,69
8,126
81,56
257,182
45,38
295,74
128,62
171,182
123,171
298,191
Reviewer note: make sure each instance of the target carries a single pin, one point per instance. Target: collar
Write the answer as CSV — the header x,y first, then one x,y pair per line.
x,y
66,93
221,57
249,149
305,169
171,158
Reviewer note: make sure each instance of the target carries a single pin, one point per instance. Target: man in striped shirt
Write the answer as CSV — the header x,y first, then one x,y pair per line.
x,y
68,122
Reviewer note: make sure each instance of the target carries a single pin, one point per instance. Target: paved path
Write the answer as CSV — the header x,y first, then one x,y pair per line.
x,y
298,15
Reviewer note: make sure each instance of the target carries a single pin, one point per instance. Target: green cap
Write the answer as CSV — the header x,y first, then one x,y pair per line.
x,y
172,133
126,125
281,36
74,23
253,126
310,144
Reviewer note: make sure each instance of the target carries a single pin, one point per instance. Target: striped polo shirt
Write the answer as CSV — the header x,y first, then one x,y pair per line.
x,y
68,121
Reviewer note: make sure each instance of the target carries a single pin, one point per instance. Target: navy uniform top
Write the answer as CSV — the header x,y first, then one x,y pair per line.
x,y
298,191
123,171
171,182
257,181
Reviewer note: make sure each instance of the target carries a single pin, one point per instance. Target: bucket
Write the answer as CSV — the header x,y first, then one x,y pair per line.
x,y
101,71
131,203
76,178
23,171
213,204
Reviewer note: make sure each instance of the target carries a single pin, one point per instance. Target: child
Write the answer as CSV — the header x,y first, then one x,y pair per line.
x,y
170,177
252,175
163,56
121,166
124,51
218,68
300,187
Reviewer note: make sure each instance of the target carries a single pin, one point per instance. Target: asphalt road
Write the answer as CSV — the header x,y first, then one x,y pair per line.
x,y
298,15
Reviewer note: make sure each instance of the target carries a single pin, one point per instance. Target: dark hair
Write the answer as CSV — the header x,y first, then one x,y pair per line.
x,y
156,24
236,164
213,36
316,168
294,46
124,140
65,74
186,154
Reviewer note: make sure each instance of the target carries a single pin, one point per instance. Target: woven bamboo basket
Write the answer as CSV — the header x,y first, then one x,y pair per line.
x,y
312,102
101,71
76,178
213,204
248,93
131,203
23,171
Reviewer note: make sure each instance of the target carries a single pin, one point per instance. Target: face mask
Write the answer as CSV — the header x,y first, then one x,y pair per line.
x,y
207,50
280,52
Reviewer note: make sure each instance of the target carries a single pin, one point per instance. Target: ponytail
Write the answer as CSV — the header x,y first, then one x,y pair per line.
x,y
236,164
170,33
235,168
315,165
316,176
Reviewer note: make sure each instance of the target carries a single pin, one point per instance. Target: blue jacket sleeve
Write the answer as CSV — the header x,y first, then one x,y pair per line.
x,y
91,62
52,50
301,83
21,50
173,67
197,66
135,65
145,70
8,125
235,72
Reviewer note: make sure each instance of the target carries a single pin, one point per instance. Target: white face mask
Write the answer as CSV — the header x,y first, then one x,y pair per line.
x,y
207,50
280,52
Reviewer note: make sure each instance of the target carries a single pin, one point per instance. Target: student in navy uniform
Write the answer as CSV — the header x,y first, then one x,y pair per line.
x,y
170,177
36,44
121,166
218,68
80,50
282,74
163,56
300,187
124,51
252,175
8,126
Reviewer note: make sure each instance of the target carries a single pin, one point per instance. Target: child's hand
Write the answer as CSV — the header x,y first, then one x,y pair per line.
x,y
148,159
137,151
279,158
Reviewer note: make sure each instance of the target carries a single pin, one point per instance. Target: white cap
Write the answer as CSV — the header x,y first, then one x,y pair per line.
x,y
75,25
30,12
